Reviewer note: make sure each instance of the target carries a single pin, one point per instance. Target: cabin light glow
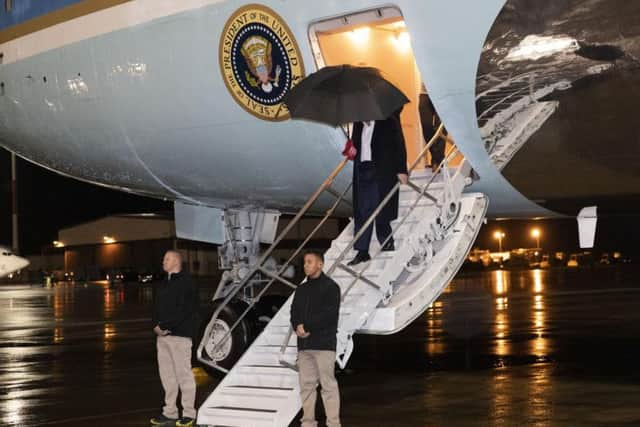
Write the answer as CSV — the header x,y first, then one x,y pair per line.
x,y
360,35
402,41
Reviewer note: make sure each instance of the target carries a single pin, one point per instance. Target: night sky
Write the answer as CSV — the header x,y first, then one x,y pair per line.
x,y
49,202
613,233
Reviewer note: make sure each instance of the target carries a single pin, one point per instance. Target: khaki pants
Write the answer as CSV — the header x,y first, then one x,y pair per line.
x,y
174,364
318,366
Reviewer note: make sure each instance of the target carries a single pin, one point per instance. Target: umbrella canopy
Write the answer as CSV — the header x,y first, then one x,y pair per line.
x,y
343,94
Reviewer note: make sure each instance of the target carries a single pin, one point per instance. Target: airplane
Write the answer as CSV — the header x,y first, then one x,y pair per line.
x,y
10,263
182,101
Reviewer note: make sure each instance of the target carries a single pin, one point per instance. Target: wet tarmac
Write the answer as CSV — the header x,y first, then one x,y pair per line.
x,y
534,348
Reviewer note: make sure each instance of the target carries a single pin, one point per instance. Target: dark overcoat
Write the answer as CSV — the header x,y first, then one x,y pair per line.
x,y
389,155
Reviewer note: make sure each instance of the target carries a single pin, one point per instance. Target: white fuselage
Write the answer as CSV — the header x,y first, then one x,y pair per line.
x,y
132,97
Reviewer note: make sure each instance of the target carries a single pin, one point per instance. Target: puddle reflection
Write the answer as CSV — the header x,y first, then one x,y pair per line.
x,y
486,312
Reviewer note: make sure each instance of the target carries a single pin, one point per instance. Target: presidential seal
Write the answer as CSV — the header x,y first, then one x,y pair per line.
x,y
260,61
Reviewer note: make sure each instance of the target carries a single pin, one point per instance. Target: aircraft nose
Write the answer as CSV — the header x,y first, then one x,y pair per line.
x,y
23,263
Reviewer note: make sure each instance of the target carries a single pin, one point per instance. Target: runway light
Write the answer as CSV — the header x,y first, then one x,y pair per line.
x,y
360,35
109,239
58,244
535,233
499,235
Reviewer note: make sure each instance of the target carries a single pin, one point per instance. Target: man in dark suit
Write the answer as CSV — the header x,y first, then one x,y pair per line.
x,y
430,124
381,161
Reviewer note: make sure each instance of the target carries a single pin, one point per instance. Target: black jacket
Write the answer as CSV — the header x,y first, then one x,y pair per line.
x,y
389,155
316,305
428,118
176,305
430,123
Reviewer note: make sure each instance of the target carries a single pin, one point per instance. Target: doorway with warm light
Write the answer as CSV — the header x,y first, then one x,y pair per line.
x,y
376,38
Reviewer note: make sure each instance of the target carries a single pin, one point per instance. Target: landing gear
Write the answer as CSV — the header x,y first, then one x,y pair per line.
x,y
230,326
245,229
220,344
225,352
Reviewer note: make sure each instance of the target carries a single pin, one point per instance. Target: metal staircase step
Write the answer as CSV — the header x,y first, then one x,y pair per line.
x,y
269,359
406,223
406,203
271,363
278,329
385,256
275,349
269,379
269,392
255,398
279,390
338,247
344,275
366,277
236,417
262,373
352,296
275,339
280,323
345,311
435,187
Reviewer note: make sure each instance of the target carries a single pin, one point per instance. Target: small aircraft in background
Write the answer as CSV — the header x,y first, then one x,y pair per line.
x,y
10,263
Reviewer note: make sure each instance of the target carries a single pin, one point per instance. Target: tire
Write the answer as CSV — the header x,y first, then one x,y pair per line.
x,y
238,342
267,308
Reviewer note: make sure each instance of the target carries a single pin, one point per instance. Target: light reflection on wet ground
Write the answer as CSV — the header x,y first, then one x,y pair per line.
x,y
499,348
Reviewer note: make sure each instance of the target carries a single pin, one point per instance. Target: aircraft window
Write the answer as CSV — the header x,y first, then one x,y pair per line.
x,y
7,5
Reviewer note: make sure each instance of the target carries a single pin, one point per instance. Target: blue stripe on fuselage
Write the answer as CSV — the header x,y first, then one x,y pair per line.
x,y
24,10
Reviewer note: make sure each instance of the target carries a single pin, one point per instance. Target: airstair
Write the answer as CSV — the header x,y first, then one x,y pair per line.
x,y
511,111
436,227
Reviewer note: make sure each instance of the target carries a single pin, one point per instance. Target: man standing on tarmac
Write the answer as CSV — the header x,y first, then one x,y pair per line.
x,y
175,320
314,317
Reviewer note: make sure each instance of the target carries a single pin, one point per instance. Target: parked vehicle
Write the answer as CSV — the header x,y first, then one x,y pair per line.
x,y
123,275
150,277
544,263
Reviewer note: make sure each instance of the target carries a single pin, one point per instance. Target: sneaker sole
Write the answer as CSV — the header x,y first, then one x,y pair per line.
x,y
159,424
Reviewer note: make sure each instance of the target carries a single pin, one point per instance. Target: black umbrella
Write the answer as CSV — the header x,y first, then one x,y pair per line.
x,y
343,94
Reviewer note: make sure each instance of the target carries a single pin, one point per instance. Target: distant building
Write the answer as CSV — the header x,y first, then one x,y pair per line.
x,y
94,249
137,243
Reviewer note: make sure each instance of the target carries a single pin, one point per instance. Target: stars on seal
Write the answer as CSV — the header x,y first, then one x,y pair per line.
x,y
241,37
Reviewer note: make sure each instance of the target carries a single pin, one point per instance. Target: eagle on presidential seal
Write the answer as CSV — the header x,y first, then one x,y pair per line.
x,y
256,51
